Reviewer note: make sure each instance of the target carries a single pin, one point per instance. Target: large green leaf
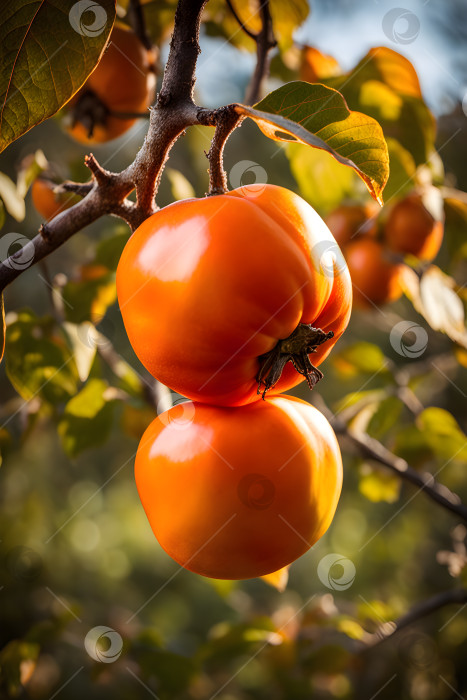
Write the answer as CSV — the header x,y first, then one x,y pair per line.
x,y
88,417
38,361
318,116
49,48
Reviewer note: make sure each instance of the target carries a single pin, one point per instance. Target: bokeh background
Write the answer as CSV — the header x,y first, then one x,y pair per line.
x,y
76,549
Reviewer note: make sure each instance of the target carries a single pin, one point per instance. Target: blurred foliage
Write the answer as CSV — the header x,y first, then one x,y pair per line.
x,y
77,551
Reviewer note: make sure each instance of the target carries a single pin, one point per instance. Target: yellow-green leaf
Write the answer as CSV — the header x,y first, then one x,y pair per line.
x,y
49,48
87,419
13,201
377,485
38,361
318,116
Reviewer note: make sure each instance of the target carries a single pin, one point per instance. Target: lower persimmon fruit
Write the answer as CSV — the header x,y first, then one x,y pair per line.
x,y
239,492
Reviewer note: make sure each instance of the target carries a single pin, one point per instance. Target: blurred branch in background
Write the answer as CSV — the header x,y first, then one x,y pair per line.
x,y
387,630
369,447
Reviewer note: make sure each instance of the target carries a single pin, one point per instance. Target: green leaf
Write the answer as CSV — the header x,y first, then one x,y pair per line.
x,y
38,361
87,419
402,170
49,50
363,357
80,339
89,297
318,116
455,226
109,250
31,166
229,641
323,182
181,187
173,672
350,627
385,417
12,200
443,434
378,485
286,18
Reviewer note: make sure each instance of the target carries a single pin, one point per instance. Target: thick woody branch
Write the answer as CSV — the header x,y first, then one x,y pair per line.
x,y
173,112
107,193
457,596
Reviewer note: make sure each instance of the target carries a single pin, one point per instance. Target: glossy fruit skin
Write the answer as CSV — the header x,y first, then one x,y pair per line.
x,y
375,278
206,286
349,221
236,493
46,202
410,228
123,80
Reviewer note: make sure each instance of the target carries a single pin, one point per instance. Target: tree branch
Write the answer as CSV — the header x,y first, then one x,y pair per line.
x,y
372,449
265,41
420,610
245,29
138,23
107,192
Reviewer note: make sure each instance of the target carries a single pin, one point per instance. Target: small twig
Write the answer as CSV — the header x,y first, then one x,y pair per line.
x,y
265,41
129,115
79,188
370,448
420,610
245,29
227,122
138,22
